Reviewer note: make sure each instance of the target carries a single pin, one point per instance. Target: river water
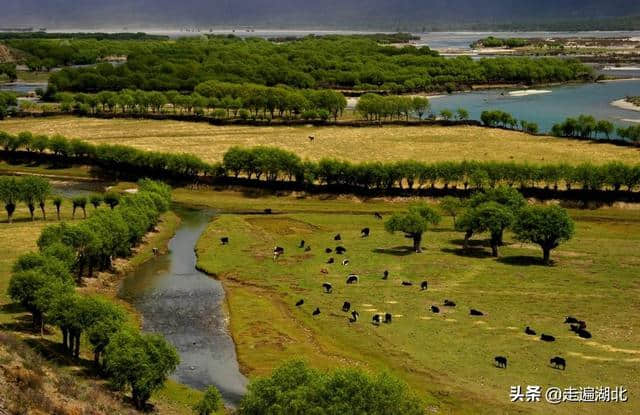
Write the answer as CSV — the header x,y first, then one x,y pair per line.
x,y
186,307
549,108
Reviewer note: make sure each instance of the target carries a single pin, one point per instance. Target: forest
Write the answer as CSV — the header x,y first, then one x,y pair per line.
x,y
336,62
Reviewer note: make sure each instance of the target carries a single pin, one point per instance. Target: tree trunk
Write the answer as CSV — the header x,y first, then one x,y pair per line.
x,y
494,249
417,239
65,335
467,236
96,359
546,252
44,213
73,213
76,352
32,209
58,212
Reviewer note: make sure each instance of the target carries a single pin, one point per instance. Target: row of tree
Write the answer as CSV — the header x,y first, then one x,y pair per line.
x,y
378,107
42,283
583,126
242,101
273,164
498,118
31,190
492,211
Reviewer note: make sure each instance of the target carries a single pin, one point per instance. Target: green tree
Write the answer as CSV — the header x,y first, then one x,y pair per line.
x,y
57,202
462,114
10,193
413,223
95,200
294,388
141,361
79,202
491,217
210,403
112,199
546,226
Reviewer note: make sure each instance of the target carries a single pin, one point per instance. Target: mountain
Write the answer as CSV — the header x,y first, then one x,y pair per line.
x,y
348,14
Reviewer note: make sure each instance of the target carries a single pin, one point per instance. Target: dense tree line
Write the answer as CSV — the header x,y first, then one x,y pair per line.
x,y
45,51
43,283
335,62
631,133
273,164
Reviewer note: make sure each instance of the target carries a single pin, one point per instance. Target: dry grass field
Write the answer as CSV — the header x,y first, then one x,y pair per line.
x,y
355,144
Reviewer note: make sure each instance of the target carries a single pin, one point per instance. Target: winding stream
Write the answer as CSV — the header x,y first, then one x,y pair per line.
x,y
185,306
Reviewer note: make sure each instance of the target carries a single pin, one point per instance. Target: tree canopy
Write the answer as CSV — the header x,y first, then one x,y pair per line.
x,y
547,226
413,223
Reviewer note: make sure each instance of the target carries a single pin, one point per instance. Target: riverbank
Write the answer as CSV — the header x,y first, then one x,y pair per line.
x,y
625,105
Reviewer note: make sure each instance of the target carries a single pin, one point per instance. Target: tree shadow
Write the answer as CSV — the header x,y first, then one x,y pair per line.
x,y
472,242
53,351
469,252
396,250
522,260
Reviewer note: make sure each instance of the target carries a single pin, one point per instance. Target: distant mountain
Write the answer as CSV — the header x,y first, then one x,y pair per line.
x,y
347,14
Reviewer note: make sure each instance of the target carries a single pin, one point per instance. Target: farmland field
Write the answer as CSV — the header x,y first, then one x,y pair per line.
x,y
354,144
446,357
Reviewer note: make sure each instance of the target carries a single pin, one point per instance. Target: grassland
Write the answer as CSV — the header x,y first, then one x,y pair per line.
x,y
447,357
354,144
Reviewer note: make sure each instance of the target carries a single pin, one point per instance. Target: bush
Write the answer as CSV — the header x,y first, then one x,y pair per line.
x,y
210,403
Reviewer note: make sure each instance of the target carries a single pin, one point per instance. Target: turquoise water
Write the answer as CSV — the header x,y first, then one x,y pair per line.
x,y
548,109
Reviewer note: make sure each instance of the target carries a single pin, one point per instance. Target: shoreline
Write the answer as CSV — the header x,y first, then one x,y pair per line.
x,y
625,105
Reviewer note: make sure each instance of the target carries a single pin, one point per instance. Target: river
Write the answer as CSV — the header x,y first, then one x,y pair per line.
x,y
549,108
186,307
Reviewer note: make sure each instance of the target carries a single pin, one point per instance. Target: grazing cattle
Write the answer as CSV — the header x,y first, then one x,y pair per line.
x,y
328,288
330,261
528,330
435,309
324,271
277,251
346,306
224,240
340,250
312,137
337,237
307,249
385,275
365,232
584,334
387,318
376,319
328,250
424,285
407,283
377,215
582,324
501,361
345,262
475,312
301,244
352,279
558,362
316,311
354,316
570,320
268,211
155,251
449,303
574,328
547,338
299,303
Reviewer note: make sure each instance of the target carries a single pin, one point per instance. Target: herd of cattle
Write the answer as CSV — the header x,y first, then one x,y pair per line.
x,y
577,326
